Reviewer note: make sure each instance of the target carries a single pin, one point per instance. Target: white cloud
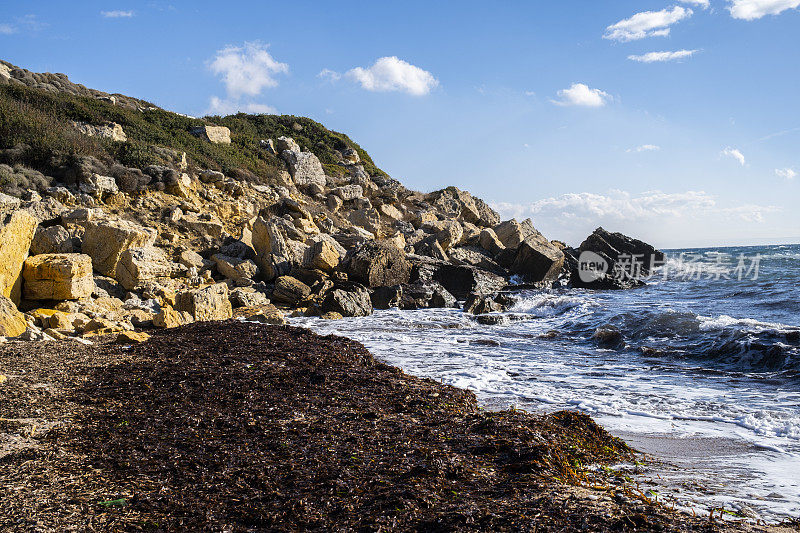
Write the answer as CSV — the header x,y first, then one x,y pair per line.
x,y
623,206
647,24
7,29
705,4
653,57
394,74
328,74
734,153
117,14
579,94
786,173
27,23
248,69
755,9
222,107
644,148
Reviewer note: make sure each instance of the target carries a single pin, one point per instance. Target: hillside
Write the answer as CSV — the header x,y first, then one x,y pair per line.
x,y
118,215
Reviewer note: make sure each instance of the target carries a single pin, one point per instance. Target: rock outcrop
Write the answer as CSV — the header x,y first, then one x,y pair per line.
x,y
105,240
377,264
12,322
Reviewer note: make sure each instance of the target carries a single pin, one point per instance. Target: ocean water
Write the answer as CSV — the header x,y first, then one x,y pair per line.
x,y
700,368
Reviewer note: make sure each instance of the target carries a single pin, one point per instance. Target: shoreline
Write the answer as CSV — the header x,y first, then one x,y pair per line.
x,y
234,425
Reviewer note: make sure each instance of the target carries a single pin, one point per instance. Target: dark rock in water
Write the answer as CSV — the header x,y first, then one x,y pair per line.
x,y
377,264
608,260
462,280
615,245
476,257
478,305
348,299
387,297
425,295
537,260
608,336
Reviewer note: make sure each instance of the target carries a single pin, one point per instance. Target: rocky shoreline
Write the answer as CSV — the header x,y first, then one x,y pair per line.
x,y
235,426
93,244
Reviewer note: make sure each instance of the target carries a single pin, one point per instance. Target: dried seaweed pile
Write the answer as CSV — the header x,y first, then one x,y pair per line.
x,y
232,426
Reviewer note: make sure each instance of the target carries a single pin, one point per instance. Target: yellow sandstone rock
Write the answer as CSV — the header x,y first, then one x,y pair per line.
x,y
16,234
132,337
58,277
12,322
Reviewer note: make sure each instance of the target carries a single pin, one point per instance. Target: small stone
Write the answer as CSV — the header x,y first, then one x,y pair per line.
x,y
132,337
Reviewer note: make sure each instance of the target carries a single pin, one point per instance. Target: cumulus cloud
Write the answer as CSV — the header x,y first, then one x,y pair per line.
x,y
644,148
223,107
118,14
647,24
248,69
734,153
705,4
755,9
655,57
579,94
392,74
328,74
786,173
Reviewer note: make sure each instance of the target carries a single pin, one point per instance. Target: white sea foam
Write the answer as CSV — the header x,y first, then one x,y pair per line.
x,y
708,323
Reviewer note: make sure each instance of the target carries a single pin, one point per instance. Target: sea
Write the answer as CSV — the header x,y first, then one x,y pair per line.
x,y
699,369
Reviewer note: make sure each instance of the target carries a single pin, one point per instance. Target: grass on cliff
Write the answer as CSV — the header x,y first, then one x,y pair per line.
x,y
42,120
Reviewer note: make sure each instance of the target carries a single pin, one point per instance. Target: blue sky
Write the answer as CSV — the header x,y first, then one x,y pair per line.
x,y
552,110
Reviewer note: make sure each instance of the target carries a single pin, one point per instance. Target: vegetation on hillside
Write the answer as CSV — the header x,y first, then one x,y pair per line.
x,y
36,131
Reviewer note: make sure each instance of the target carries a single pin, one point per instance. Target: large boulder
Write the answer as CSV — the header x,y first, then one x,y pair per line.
x,y
538,260
348,192
511,233
235,268
462,280
273,255
12,322
52,240
112,131
425,295
289,290
620,247
348,299
368,218
378,264
213,134
455,203
608,260
490,242
105,240
450,234
209,303
16,234
137,265
322,255
58,277
305,168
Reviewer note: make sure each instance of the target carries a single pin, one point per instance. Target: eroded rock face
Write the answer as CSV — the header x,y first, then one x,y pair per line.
x,y
305,168
234,268
378,264
58,277
369,219
538,260
138,265
12,322
105,240
323,256
273,255
52,240
511,233
16,235
112,131
209,303
213,134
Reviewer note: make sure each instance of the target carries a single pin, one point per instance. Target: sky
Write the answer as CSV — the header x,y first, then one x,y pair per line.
x,y
675,122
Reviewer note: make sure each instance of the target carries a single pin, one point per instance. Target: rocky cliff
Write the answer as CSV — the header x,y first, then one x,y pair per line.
x,y
118,216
